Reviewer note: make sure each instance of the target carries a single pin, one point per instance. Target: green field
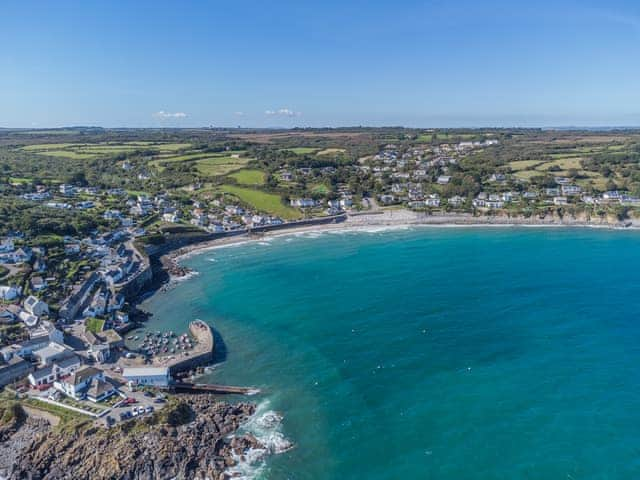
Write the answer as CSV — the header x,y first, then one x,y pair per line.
x,y
249,177
217,166
188,156
320,188
300,150
518,165
68,154
564,163
20,180
331,151
88,151
47,146
94,325
262,201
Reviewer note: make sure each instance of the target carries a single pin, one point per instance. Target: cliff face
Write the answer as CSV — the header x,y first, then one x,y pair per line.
x,y
186,440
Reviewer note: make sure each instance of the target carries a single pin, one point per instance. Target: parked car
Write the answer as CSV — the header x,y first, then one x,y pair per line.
x,y
149,409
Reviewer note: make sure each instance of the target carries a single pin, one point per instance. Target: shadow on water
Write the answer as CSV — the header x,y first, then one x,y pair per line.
x,y
220,350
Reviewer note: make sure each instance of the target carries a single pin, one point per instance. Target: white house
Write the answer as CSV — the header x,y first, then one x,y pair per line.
x,y
48,354
156,376
9,293
571,190
99,389
35,306
7,246
54,371
456,201
67,189
303,202
38,284
42,376
29,319
346,202
78,382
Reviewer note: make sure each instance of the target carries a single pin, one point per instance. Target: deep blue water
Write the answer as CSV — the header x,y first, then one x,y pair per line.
x,y
432,353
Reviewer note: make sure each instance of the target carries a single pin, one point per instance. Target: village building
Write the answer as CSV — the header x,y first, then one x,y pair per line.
x,y
455,201
35,306
99,389
154,376
14,369
77,384
303,202
9,293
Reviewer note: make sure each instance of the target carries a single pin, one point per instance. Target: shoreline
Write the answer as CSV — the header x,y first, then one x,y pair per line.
x,y
384,220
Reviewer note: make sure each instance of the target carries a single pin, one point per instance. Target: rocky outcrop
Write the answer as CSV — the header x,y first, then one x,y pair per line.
x,y
192,438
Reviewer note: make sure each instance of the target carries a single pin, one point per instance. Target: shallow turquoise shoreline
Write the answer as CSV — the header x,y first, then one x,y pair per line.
x,y
430,352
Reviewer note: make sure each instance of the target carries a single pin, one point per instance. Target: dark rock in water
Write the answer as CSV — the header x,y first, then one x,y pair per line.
x,y
187,439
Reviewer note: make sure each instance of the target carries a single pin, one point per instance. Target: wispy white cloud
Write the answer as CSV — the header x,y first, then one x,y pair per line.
x,y
163,114
283,112
239,114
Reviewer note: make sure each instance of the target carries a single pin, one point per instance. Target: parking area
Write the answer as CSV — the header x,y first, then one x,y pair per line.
x,y
136,404
120,407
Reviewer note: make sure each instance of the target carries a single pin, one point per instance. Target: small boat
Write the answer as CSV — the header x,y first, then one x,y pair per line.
x,y
130,337
136,337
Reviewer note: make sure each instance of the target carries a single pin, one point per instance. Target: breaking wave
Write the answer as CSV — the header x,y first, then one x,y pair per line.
x,y
265,425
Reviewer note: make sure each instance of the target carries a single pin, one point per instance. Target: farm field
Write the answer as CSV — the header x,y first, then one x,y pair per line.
x,y
88,151
564,163
331,151
262,201
519,165
217,166
300,150
163,159
249,177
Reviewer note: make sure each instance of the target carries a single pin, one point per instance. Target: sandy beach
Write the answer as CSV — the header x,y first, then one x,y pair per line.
x,y
401,218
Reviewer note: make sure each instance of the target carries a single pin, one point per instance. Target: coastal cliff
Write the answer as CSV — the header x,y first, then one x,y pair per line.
x,y
192,438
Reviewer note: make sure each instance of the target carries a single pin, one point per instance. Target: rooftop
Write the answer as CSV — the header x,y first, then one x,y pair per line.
x,y
82,375
145,371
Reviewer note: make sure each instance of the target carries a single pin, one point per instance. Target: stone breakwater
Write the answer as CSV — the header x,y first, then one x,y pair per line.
x,y
194,437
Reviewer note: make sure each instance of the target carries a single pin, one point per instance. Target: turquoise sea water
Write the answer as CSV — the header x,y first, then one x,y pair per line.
x,y
432,353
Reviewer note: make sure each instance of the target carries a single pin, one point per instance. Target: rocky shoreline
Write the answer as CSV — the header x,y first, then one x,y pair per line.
x,y
194,437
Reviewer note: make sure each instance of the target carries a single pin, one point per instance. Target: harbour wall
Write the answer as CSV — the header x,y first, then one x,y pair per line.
x,y
204,351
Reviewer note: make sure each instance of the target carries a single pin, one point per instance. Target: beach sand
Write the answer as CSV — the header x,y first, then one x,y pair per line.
x,y
401,218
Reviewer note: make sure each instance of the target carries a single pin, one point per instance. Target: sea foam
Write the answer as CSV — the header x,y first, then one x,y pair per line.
x,y
265,424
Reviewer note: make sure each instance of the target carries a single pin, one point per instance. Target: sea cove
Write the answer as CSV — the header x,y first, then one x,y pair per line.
x,y
425,352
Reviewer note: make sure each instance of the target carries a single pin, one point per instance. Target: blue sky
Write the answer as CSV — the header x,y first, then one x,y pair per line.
x,y
331,63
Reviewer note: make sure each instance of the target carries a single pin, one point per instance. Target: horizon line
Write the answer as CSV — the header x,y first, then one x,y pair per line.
x,y
346,127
